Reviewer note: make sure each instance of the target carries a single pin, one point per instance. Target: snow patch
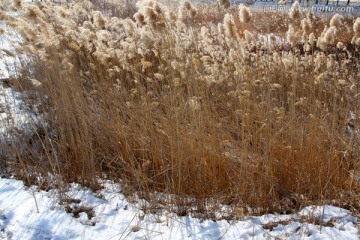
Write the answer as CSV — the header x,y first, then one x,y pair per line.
x,y
114,217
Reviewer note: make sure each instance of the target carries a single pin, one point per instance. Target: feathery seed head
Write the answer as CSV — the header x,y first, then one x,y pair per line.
x,y
312,39
295,10
34,12
330,34
129,26
340,45
187,9
229,25
187,5
244,13
357,26
171,16
310,15
220,29
18,3
248,36
224,3
355,41
193,12
287,63
139,18
151,15
306,25
336,21
99,20
292,37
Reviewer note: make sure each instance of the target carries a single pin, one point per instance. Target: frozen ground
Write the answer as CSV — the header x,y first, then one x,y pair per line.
x,y
26,213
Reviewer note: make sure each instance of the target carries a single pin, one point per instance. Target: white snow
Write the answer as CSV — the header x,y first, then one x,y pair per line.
x,y
8,61
14,112
15,115
114,217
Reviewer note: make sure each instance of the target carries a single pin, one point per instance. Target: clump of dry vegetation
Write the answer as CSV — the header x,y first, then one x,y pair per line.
x,y
206,111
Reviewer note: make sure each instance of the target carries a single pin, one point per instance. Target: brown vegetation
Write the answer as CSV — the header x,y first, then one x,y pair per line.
x,y
194,110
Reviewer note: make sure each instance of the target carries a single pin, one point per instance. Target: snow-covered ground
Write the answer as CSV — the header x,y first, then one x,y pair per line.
x,y
26,213
7,59
13,112
15,115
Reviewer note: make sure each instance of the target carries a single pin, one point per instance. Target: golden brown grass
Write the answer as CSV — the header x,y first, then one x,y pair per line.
x,y
189,109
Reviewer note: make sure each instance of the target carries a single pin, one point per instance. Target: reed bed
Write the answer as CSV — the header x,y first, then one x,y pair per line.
x,y
206,110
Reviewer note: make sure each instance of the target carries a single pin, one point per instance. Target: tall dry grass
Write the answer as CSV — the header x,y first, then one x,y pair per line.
x,y
207,113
